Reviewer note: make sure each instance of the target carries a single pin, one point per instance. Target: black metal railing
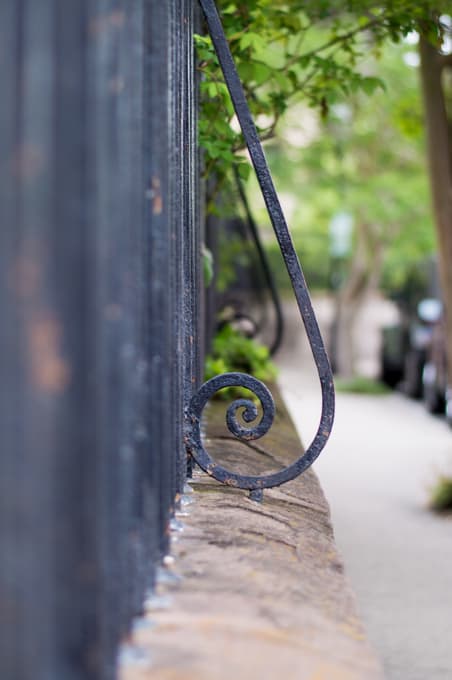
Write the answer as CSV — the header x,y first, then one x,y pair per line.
x,y
267,274
248,429
102,306
100,299
243,290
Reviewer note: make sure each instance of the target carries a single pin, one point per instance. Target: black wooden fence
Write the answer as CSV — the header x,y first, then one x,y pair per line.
x,y
100,299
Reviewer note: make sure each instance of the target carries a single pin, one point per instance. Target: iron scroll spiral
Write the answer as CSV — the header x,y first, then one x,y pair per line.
x,y
194,444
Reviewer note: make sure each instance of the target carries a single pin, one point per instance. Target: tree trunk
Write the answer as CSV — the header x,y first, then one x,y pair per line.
x,y
439,141
363,279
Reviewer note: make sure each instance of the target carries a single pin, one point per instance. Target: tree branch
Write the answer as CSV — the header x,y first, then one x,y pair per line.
x,y
341,38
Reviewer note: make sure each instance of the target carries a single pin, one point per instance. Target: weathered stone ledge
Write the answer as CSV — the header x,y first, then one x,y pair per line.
x,y
261,592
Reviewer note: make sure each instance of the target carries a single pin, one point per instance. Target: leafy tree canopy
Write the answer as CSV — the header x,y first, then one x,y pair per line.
x,y
367,159
289,51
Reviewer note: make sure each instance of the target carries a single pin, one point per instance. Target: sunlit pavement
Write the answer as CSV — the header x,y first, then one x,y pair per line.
x,y
384,454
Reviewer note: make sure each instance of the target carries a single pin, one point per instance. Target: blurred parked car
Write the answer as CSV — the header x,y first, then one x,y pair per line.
x,y
405,347
437,394
413,357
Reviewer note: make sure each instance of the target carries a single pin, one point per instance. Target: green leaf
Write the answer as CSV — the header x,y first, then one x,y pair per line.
x,y
207,265
370,84
244,170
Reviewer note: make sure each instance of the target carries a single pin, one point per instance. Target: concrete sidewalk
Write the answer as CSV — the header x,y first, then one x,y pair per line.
x,y
383,454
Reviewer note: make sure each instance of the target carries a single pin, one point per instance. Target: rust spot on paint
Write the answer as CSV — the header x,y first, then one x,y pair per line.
x,y
113,312
27,161
25,275
116,85
49,371
155,195
117,18
105,22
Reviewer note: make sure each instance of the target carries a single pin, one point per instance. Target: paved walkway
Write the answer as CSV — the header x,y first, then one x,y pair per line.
x,y
376,471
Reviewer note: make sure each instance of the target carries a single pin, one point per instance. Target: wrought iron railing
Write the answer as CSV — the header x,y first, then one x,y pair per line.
x,y
268,278
247,408
101,301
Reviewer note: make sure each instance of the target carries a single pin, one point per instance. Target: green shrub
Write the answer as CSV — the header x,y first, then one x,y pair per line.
x,y
441,494
361,385
232,351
